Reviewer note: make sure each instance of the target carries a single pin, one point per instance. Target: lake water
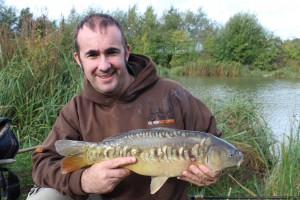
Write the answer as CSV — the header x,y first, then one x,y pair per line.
x,y
279,99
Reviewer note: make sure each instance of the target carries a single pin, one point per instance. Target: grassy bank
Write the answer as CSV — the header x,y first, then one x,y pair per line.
x,y
271,168
243,126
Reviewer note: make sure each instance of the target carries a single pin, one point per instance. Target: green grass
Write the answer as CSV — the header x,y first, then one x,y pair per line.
x,y
22,168
285,176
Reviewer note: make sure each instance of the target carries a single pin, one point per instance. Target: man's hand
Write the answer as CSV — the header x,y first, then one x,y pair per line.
x,y
200,175
103,177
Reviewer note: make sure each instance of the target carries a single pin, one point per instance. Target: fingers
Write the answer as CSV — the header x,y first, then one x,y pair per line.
x,y
200,175
205,170
103,177
113,168
118,162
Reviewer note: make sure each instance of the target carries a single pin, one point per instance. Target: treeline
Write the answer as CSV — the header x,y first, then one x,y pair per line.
x,y
173,39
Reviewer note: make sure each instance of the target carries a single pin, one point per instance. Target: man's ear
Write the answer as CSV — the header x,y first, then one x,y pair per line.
x,y
76,57
127,52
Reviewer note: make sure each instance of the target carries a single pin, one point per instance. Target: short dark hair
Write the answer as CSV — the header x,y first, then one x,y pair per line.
x,y
97,20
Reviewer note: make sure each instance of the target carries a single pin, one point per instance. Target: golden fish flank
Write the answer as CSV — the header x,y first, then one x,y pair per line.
x,y
160,152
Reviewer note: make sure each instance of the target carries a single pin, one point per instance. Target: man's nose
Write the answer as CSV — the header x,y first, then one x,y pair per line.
x,y
104,63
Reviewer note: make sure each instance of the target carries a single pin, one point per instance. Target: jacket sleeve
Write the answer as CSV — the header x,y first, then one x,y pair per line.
x,y
194,114
46,170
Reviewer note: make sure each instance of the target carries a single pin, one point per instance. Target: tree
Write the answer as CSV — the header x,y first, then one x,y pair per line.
x,y
8,17
183,48
171,22
150,36
272,57
43,26
292,52
200,31
197,24
133,27
8,21
25,22
241,39
121,16
66,29
292,48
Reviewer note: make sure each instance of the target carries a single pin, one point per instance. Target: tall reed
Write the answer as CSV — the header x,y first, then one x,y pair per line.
x,y
34,85
209,67
285,176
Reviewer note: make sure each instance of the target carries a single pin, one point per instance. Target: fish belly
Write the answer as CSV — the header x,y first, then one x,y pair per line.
x,y
159,168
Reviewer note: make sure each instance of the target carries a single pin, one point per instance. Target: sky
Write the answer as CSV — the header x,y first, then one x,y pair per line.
x,y
278,16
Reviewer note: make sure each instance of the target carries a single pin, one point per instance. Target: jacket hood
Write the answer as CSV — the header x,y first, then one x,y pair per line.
x,y
144,71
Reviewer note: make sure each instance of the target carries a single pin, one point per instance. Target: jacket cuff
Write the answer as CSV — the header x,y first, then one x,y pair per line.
x,y
75,184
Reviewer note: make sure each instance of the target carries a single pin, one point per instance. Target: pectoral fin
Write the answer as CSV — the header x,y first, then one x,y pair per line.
x,y
157,183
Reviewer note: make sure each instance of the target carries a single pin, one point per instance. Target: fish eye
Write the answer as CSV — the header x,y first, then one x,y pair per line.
x,y
234,153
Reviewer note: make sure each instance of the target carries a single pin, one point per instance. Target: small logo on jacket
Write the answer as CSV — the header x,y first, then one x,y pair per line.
x,y
160,117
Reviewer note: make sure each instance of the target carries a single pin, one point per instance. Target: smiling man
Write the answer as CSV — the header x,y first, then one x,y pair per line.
x,y
103,56
121,92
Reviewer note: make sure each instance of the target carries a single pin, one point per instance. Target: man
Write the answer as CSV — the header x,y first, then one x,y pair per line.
x,y
121,92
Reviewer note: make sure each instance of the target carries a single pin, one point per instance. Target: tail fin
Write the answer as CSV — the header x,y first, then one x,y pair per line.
x,y
75,155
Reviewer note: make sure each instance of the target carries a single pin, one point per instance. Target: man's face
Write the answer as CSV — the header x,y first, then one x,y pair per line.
x,y
103,59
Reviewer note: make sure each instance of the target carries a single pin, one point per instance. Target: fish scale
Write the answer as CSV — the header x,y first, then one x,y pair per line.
x,y
160,152
165,153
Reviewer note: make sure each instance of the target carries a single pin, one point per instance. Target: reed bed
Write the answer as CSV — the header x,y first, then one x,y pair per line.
x,y
285,176
208,67
35,83
287,72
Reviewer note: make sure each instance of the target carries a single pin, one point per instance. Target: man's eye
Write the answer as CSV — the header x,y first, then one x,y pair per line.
x,y
112,53
92,55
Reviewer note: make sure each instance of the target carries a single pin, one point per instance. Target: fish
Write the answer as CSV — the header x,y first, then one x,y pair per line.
x,y
160,152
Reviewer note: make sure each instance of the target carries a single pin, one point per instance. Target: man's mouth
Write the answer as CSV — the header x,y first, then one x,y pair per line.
x,y
107,74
